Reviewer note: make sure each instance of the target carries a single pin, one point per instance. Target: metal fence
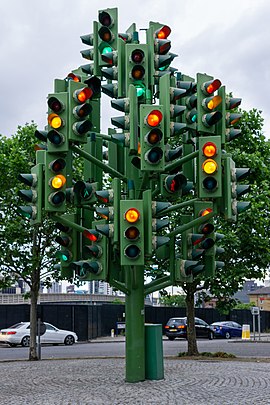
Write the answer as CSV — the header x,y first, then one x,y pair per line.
x,y
91,321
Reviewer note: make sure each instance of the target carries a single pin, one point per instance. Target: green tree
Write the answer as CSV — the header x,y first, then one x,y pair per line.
x,y
178,300
27,253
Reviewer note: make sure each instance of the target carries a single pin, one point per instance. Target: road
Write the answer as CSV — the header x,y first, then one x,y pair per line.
x,y
109,348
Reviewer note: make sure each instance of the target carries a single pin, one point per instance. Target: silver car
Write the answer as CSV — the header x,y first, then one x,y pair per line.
x,y
19,334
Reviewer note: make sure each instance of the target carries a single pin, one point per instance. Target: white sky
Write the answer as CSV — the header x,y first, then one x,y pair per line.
x,y
40,41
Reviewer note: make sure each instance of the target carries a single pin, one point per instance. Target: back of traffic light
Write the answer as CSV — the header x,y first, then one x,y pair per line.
x,y
129,122
226,126
34,195
169,96
229,206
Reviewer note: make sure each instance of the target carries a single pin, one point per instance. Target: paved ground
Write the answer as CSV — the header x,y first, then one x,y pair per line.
x,y
102,382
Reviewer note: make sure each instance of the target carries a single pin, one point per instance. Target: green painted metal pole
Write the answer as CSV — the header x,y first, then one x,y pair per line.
x,y
135,330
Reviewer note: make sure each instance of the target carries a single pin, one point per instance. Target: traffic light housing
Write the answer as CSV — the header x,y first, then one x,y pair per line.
x,y
69,241
107,32
79,111
152,138
55,183
131,233
137,69
58,125
209,169
129,122
230,207
207,103
34,195
94,265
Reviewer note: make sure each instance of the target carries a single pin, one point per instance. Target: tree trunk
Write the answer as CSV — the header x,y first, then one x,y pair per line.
x,y
191,331
35,278
33,327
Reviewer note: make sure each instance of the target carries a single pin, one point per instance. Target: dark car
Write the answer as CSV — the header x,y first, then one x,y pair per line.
x,y
226,329
177,328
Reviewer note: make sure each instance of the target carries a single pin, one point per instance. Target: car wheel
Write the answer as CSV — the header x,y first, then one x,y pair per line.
x,y
171,338
211,336
25,341
69,340
227,335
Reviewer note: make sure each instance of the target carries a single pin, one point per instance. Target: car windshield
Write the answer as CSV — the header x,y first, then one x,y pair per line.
x,y
176,322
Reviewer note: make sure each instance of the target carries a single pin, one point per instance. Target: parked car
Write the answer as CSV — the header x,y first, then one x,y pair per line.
x,y
19,334
226,329
177,328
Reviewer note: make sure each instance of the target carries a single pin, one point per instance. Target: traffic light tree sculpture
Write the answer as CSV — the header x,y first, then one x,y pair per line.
x,y
169,142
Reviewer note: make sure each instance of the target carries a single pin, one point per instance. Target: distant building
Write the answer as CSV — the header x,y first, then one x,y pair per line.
x,y
243,294
261,298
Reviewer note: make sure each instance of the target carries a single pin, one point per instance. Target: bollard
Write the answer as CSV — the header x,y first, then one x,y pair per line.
x,y
112,333
245,332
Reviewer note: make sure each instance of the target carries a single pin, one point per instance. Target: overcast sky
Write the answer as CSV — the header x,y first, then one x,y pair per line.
x,y
40,41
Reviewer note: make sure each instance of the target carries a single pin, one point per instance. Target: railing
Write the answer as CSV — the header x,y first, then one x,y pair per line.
x,y
52,297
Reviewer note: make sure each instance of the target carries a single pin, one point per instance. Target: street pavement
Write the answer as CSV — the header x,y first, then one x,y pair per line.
x,y
101,381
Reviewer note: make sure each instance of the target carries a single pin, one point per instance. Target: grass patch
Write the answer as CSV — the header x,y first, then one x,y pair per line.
x,y
220,355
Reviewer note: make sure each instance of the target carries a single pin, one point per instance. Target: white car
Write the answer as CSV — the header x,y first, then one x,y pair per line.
x,y
19,334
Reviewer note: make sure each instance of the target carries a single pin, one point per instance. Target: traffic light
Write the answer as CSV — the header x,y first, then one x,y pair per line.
x,y
115,71
111,213
152,138
55,183
153,224
169,95
68,240
85,192
209,169
189,101
129,122
172,185
91,54
209,239
207,102
225,127
58,128
230,207
34,195
131,233
80,108
137,69
107,32
95,263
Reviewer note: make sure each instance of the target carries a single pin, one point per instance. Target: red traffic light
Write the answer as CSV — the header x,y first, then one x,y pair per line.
x,y
211,86
154,118
163,32
82,95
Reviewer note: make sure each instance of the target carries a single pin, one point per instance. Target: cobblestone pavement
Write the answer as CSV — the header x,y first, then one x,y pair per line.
x,y
102,382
